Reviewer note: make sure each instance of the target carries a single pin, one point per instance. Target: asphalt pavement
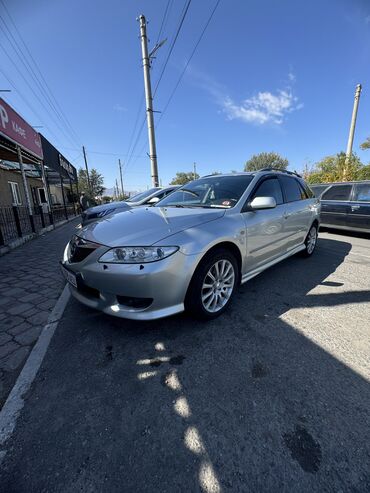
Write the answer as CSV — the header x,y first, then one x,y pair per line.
x,y
272,396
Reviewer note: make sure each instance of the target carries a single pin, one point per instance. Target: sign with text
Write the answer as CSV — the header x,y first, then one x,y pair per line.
x,y
18,130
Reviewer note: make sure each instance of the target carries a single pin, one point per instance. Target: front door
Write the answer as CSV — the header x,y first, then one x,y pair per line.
x,y
264,228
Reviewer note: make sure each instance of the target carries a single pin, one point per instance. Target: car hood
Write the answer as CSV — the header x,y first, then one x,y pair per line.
x,y
104,207
146,226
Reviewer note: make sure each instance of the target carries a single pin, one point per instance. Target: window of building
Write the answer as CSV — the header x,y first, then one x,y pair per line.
x,y
16,196
337,192
42,196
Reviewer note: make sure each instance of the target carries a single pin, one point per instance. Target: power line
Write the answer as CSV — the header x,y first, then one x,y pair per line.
x,y
42,85
172,45
189,60
164,19
182,19
184,70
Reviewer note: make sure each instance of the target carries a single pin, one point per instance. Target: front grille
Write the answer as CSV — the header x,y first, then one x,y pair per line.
x,y
79,249
80,254
87,290
138,303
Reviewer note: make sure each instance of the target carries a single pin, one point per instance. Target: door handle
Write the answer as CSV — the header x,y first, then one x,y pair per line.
x,y
355,207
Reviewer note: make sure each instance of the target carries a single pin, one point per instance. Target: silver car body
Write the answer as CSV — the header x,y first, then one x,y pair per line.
x,y
259,239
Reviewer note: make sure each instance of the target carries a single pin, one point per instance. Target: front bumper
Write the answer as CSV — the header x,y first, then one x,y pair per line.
x,y
104,286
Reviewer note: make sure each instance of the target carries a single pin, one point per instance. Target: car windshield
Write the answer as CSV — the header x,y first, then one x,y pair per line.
x,y
214,191
142,195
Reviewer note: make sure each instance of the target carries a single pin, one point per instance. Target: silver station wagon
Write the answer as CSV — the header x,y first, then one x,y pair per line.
x,y
192,249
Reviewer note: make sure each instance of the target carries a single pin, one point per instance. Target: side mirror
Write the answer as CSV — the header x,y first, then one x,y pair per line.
x,y
153,200
259,203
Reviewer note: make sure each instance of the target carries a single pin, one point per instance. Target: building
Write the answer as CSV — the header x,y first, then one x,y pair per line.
x,y
38,185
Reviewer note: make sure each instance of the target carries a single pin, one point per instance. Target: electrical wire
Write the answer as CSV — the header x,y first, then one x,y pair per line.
x,y
42,84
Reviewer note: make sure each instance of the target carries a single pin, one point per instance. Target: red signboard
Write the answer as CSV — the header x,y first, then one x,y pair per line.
x,y
18,130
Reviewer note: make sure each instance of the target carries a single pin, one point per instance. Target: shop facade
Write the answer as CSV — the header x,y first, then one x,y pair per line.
x,y
37,188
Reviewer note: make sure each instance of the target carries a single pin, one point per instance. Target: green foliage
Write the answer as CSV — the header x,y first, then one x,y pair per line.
x,y
182,178
365,145
96,182
335,168
266,160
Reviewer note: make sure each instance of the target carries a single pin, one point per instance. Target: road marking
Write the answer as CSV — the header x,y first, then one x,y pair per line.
x,y
15,402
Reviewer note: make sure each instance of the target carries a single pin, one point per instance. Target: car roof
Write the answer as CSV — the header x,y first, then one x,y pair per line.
x,y
257,172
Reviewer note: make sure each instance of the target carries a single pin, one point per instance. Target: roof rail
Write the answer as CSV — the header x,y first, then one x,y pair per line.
x,y
282,171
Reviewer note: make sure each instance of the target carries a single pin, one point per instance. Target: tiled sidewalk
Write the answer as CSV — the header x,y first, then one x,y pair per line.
x,y
30,283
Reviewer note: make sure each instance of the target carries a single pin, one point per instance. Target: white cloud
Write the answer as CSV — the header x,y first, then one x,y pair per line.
x,y
119,107
291,76
265,107
367,19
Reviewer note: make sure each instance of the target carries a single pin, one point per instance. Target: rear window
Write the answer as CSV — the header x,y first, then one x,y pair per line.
x,y
318,189
292,189
362,192
337,192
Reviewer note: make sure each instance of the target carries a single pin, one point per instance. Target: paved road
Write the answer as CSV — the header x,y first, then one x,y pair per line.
x,y
30,283
273,396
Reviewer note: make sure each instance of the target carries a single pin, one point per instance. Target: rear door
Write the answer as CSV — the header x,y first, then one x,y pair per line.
x,y
298,211
359,209
335,205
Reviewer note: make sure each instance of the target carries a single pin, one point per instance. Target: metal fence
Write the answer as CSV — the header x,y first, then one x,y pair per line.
x,y
16,222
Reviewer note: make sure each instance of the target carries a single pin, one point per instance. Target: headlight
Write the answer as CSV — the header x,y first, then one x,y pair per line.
x,y
104,213
137,255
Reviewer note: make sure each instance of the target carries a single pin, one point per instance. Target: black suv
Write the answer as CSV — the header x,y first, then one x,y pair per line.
x,y
345,205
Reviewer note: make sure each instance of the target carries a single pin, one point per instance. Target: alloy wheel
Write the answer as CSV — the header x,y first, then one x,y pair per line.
x,y
218,285
311,240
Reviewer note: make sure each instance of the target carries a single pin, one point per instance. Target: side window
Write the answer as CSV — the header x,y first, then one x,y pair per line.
x,y
292,189
337,192
308,193
270,188
362,192
15,193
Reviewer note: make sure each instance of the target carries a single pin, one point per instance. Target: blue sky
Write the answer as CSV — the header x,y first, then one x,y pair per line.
x,y
268,76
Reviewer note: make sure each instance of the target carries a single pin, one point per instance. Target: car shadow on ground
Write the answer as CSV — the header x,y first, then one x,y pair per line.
x,y
247,402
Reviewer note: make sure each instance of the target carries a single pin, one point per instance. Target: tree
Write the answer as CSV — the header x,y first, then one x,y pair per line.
x,y
96,182
182,178
335,168
365,145
266,160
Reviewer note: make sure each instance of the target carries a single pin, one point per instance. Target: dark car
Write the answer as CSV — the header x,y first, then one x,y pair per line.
x,y
149,197
345,205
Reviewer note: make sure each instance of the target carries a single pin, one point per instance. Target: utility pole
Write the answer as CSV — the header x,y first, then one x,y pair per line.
x,y
120,173
194,170
117,189
87,171
352,130
149,100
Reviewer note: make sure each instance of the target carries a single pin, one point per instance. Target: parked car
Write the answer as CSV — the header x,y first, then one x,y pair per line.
x,y
149,197
192,249
345,205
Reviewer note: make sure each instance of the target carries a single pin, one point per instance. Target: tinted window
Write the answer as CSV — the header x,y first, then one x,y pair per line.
x,y
292,189
318,189
337,192
212,191
362,192
307,191
270,188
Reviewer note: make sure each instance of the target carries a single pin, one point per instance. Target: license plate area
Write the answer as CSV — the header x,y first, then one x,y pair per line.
x,y
69,276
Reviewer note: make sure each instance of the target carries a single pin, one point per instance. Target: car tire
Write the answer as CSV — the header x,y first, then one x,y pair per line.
x,y
310,241
208,296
